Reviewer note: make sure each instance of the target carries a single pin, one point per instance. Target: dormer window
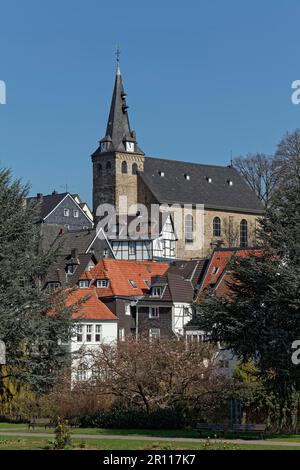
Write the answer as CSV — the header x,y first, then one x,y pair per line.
x,y
101,283
230,182
156,291
215,270
70,269
187,177
209,179
84,284
161,174
130,147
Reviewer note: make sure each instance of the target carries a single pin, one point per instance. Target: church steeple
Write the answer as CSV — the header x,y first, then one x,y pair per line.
x,y
119,136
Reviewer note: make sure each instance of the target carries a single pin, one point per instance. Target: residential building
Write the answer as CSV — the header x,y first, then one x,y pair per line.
x,y
120,284
61,209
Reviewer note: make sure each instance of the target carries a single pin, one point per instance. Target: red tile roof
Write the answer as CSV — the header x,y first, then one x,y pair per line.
x,y
92,308
120,272
217,266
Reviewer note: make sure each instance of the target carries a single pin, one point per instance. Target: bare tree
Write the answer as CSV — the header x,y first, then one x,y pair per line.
x,y
287,157
260,172
158,373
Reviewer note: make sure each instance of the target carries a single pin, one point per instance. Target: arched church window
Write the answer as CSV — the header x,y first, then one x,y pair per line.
x,y
134,168
244,233
216,227
124,167
108,165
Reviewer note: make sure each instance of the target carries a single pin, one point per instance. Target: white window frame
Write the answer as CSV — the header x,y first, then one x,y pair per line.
x,y
154,333
67,212
53,285
89,333
154,312
98,333
101,283
79,333
156,291
76,213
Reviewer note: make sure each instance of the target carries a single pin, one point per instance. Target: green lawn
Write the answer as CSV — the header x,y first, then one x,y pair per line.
x,y
39,443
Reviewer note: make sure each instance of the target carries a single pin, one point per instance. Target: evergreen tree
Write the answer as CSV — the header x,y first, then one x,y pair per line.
x,y
260,319
33,338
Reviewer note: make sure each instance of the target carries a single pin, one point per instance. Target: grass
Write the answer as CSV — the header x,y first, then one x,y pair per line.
x,y
39,443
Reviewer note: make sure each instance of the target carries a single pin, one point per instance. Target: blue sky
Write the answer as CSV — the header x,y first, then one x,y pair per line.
x,y
203,78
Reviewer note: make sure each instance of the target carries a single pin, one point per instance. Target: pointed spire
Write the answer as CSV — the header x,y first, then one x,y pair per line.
x,y
119,136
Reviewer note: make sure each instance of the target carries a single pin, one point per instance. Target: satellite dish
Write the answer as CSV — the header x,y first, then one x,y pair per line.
x,y
2,353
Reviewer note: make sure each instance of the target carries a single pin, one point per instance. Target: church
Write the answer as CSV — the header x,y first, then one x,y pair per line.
x,y
221,205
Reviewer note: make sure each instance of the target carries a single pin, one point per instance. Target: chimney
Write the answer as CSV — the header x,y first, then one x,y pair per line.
x,y
74,255
39,197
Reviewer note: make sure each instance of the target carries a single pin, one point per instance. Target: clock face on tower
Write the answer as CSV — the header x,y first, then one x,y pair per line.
x,y
129,146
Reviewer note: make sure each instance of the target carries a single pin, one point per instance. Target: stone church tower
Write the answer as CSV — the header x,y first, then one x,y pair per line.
x,y
118,157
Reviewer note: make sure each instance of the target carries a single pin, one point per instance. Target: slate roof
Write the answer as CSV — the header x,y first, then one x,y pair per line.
x,y
57,271
48,203
173,187
175,289
193,270
81,240
118,127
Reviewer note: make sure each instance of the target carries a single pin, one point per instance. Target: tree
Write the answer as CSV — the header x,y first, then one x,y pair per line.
x,y
33,338
260,172
260,318
164,373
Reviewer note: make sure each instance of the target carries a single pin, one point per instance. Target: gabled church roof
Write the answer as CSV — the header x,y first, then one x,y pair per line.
x,y
217,187
118,129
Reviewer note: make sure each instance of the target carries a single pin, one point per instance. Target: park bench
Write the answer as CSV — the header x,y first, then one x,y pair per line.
x,y
40,422
217,428
259,429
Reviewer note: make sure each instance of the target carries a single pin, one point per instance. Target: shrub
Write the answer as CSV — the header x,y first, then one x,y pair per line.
x,y
62,435
134,419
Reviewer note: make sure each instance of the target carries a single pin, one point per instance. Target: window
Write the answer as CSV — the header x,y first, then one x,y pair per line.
x,y
147,283
154,312
244,233
124,167
161,174
99,169
98,331
84,284
134,168
133,284
89,331
66,212
156,291
217,227
187,177
209,179
81,374
76,213
215,271
154,333
230,182
131,248
122,334
79,333
101,283
53,285
189,228
70,269
127,309
108,165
